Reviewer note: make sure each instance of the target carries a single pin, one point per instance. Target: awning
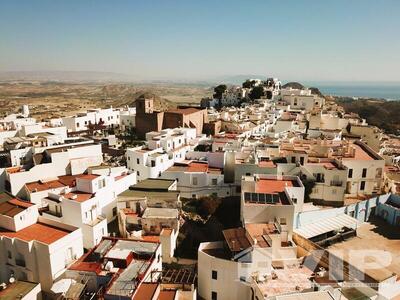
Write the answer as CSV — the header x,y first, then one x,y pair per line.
x,y
325,225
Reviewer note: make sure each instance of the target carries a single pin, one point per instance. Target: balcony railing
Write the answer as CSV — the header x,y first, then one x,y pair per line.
x,y
336,183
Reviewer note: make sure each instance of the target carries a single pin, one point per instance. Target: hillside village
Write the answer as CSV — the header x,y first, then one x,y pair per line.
x,y
261,191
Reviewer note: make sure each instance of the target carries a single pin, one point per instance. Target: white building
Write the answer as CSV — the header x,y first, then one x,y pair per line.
x,y
59,161
330,178
81,121
86,201
304,102
263,195
365,170
196,179
127,118
227,269
117,268
34,248
163,149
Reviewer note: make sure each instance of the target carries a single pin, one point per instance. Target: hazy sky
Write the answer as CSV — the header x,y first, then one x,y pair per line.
x,y
304,40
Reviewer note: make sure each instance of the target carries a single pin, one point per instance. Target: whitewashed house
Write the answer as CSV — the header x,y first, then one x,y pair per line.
x,y
34,248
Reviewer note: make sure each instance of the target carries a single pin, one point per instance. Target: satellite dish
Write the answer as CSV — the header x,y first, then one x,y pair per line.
x,y
11,280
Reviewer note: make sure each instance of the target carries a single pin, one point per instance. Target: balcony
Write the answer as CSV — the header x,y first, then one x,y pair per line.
x,y
336,183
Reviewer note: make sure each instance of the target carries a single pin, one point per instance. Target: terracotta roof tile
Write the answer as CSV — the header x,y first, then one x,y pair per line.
x,y
37,232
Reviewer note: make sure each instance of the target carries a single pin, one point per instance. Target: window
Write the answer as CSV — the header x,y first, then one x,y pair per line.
x,y
214,296
114,211
293,159
364,173
77,124
137,173
350,173
214,275
214,181
138,161
153,163
58,210
102,183
362,185
194,180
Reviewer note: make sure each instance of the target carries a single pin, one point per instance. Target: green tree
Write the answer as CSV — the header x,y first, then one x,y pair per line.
x,y
246,84
256,93
219,91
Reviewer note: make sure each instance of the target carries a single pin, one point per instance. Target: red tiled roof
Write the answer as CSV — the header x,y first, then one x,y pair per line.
x,y
37,232
19,202
39,186
120,177
267,164
145,291
80,196
197,167
272,186
360,154
167,295
69,180
88,176
150,238
86,266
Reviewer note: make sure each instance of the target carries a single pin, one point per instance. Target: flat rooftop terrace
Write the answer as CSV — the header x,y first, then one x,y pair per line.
x,y
374,235
273,186
153,184
293,279
17,290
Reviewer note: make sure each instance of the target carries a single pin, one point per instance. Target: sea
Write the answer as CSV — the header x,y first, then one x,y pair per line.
x,y
388,91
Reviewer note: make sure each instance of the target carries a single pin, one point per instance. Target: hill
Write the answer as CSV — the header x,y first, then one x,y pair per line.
x,y
378,112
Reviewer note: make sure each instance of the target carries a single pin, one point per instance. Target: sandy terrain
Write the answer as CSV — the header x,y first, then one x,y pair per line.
x,y
55,99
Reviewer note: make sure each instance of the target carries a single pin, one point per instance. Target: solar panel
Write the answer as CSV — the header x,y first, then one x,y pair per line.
x,y
261,198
